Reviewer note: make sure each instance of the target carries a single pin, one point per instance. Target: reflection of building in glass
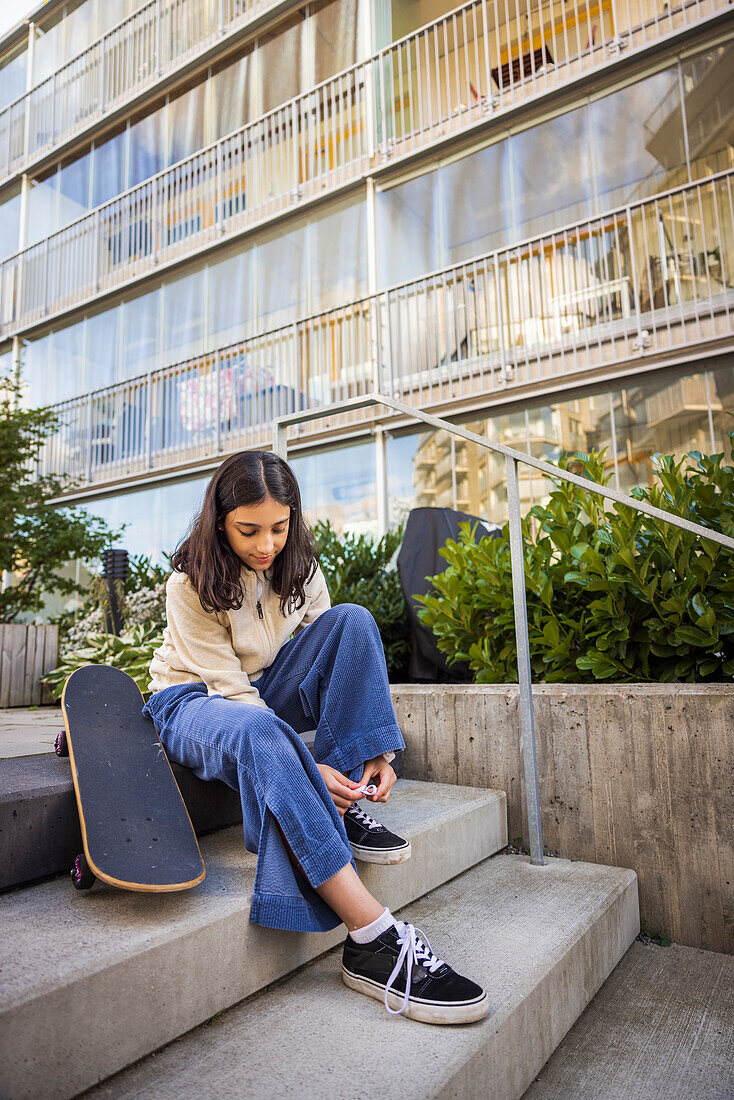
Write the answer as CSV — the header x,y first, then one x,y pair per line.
x,y
215,214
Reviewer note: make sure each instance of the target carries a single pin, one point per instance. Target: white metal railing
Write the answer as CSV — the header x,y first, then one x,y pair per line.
x,y
513,460
638,280
447,76
152,42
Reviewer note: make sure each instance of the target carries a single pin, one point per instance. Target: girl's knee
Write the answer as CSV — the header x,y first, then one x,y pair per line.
x,y
351,616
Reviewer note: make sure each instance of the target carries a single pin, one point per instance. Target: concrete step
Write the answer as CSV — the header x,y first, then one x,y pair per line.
x,y
89,983
542,940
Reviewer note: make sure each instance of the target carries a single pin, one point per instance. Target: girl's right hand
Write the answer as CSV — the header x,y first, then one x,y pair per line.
x,y
343,791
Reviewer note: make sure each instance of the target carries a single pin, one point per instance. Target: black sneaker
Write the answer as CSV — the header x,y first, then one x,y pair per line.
x,y
400,968
372,842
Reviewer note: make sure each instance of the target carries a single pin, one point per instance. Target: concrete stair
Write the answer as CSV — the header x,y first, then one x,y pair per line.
x,y
92,982
542,940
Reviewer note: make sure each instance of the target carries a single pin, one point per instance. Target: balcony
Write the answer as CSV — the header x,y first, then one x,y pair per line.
x,y
652,279
152,43
448,77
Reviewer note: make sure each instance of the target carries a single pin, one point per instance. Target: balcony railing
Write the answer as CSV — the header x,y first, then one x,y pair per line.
x,y
158,38
639,280
446,77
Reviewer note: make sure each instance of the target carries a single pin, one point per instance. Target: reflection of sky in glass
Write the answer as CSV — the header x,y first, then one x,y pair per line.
x,y
157,519
339,485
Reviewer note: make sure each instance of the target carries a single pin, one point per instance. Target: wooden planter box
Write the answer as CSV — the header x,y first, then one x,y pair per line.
x,y
26,654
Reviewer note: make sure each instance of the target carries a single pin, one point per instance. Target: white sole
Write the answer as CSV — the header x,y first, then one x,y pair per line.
x,y
426,1012
381,855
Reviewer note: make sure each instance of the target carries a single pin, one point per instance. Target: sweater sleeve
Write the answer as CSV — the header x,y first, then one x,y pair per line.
x,y
204,646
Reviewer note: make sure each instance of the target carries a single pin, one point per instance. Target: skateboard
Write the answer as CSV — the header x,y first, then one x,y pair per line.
x,y
136,830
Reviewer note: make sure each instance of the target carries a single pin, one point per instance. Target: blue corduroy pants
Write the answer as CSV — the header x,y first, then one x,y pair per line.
x,y
330,677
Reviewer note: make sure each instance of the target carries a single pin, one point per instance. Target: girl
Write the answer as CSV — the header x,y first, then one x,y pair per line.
x,y
253,655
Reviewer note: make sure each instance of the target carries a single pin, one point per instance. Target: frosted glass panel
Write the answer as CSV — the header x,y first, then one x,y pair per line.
x,y
230,299
42,208
140,334
183,317
281,278
409,230
9,225
67,376
74,189
335,36
338,256
103,344
231,97
186,123
13,76
35,372
280,65
476,201
147,146
108,175
340,485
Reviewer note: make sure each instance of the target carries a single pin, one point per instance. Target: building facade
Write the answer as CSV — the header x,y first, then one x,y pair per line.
x,y
214,212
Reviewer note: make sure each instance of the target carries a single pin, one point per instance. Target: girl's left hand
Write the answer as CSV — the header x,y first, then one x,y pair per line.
x,y
379,770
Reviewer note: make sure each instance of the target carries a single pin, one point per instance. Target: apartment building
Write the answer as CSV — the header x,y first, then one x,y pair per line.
x,y
214,212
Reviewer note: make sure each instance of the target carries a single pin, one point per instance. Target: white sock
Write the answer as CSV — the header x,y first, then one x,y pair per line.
x,y
372,931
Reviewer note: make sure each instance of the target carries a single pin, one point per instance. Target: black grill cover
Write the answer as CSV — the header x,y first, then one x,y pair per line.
x,y
427,530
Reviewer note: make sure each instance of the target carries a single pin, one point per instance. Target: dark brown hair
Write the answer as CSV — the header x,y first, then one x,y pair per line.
x,y
205,555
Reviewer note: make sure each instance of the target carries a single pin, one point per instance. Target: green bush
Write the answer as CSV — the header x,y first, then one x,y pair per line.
x,y
356,571
612,594
132,651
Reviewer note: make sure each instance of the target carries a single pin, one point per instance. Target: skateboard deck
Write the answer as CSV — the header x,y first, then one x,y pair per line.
x,y
136,830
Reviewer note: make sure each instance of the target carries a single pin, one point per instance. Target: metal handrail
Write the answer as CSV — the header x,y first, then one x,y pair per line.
x,y
512,458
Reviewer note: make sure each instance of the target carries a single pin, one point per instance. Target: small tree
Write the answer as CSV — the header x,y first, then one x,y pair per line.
x,y
37,539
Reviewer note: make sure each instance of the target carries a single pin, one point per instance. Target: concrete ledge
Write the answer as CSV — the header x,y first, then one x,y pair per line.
x,y
541,940
633,775
39,824
98,980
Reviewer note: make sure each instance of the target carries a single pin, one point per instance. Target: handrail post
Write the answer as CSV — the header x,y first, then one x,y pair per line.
x,y
527,719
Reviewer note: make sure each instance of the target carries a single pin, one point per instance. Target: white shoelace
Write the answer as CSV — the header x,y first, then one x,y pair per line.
x,y
416,951
362,815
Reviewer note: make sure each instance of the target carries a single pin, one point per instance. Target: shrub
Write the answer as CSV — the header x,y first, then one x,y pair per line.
x,y
611,594
132,651
358,570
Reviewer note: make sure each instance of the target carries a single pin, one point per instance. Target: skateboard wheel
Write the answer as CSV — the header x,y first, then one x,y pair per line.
x,y
61,746
82,877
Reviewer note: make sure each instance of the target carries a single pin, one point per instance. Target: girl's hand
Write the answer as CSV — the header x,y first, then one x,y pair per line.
x,y
342,790
379,770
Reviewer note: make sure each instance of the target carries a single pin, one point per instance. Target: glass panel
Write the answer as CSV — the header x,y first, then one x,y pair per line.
x,y
35,372
408,230
338,256
280,64
183,317
103,348
10,225
335,34
140,334
110,13
551,173
230,299
108,174
721,391
669,415
339,485
186,123
147,146
637,140
74,189
231,96
13,69
281,278
157,519
42,208
476,202
709,103
48,48
79,27
67,375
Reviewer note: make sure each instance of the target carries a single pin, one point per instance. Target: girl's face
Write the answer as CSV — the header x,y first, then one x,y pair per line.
x,y
257,532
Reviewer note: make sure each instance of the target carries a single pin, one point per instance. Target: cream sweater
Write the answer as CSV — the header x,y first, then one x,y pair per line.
x,y
229,649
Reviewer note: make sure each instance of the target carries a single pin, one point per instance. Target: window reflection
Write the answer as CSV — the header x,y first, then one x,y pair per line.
x,y
157,519
9,223
339,485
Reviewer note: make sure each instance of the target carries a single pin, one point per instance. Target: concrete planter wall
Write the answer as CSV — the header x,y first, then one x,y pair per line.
x,y
633,775
26,654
